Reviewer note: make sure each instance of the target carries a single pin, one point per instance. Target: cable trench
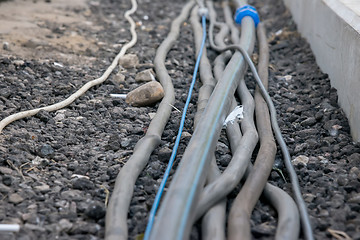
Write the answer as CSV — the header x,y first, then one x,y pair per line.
x,y
116,215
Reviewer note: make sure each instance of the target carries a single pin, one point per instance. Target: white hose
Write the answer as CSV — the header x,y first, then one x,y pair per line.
x,y
87,86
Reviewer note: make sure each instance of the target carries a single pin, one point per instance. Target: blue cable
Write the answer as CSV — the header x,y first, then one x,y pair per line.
x,y
177,142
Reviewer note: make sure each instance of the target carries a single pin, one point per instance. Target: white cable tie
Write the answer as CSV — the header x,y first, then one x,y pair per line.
x,y
152,77
123,96
236,115
9,227
58,64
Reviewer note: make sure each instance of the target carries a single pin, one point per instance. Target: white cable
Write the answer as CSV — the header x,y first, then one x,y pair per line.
x,y
123,96
9,227
88,85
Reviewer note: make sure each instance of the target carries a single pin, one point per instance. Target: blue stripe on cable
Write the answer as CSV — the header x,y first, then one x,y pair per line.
x,y
177,141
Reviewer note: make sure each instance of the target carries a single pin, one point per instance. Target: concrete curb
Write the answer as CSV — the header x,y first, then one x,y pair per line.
x,y
333,31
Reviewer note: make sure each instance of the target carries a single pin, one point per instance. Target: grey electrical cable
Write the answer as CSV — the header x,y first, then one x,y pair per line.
x,y
232,175
288,214
288,223
208,81
213,222
228,15
240,212
200,3
221,59
244,203
116,215
286,155
177,211
288,226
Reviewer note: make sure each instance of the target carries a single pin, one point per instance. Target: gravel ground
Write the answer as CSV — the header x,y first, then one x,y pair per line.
x,y
57,168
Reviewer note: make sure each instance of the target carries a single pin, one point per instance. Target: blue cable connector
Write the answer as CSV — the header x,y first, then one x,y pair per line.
x,y
247,11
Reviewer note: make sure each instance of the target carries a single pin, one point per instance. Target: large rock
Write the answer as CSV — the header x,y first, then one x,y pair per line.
x,y
145,95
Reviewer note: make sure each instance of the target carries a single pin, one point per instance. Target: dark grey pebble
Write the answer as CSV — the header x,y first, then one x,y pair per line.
x,y
44,116
82,184
95,211
7,180
72,195
164,154
45,150
125,142
309,121
354,159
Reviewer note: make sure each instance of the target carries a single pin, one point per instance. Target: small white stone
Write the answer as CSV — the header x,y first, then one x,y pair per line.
x,y
186,135
6,46
151,115
58,64
18,62
5,170
59,117
79,176
300,159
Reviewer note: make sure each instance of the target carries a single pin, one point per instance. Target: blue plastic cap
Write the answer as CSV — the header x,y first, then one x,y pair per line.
x,y
247,11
